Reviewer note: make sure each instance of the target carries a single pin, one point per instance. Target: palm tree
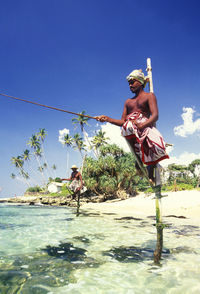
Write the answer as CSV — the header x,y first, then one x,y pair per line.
x,y
82,121
78,143
26,157
41,135
38,155
18,162
24,175
36,146
99,140
54,168
113,170
33,142
68,141
40,168
13,176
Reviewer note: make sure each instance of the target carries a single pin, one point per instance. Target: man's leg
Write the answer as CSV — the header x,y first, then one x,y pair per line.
x,y
150,169
151,174
131,142
154,173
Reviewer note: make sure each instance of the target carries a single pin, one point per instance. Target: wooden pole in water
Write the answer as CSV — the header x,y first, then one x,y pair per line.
x,y
79,192
157,188
78,203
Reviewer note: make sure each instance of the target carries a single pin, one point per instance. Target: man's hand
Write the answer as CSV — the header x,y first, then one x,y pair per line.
x,y
140,126
78,189
102,118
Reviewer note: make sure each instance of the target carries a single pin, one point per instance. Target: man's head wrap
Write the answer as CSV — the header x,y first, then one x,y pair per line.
x,y
74,167
138,75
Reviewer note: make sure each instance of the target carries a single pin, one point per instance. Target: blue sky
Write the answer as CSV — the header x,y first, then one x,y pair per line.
x,y
76,55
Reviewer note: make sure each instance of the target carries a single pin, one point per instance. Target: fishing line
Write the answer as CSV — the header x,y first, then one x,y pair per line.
x,y
46,106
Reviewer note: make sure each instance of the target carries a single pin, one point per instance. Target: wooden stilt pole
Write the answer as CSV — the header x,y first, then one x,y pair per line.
x,y
78,203
79,192
157,188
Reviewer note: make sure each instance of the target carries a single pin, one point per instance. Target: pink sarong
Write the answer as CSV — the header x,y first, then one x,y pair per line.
x,y
149,145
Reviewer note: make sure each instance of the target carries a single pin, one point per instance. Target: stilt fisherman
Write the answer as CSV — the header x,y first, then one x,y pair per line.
x,y
76,181
138,120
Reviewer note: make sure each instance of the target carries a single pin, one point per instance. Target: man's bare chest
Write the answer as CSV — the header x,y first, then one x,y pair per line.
x,y
137,104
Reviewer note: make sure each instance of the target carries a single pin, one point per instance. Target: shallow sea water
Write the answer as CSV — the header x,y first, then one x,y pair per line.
x,y
50,250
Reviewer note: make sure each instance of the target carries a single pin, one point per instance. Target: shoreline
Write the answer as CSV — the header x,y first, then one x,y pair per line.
x,y
182,204
46,200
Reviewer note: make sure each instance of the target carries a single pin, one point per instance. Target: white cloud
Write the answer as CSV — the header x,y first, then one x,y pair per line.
x,y
189,126
62,134
169,149
88,142
184,158
114,134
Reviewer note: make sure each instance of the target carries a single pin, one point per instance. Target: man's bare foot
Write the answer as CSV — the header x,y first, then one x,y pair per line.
x,y
152,182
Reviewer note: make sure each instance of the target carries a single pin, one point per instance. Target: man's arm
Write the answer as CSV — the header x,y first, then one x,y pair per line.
x,y
67,179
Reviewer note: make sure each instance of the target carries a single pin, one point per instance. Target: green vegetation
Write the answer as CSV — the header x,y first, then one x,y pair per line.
x,y
113,170
58,180
34,189
22,162
64,192
179,187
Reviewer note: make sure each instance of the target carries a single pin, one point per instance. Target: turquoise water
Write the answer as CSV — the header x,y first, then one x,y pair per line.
x,y
50,250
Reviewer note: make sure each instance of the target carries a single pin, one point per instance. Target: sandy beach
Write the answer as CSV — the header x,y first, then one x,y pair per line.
x,y
181,203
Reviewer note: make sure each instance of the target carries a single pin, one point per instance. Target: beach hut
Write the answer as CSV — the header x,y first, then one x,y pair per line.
x,y
55,187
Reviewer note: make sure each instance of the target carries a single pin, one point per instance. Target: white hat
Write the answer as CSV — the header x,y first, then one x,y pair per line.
x,y
74,167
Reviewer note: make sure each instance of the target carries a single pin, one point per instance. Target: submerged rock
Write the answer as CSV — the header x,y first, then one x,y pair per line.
x,y
82,239
130,254
128,218
53,266
66,251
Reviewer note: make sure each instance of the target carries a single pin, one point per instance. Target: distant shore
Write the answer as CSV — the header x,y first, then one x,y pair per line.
x,y
47,200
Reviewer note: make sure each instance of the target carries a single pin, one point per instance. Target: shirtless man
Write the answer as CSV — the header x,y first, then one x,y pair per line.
x,y
138,123
77,182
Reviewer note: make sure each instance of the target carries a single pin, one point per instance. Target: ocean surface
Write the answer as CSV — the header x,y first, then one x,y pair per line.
x,y
50,250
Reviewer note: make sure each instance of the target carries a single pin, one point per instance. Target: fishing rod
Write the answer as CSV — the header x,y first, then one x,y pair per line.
x,y
46,106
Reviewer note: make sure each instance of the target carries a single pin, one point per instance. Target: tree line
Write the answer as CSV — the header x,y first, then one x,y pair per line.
x,y
106,168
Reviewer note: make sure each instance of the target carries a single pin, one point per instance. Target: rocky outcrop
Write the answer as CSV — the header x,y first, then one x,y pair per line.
x,y
49,200
45,199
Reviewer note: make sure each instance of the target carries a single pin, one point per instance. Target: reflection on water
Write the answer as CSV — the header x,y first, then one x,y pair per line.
x,y
50,250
